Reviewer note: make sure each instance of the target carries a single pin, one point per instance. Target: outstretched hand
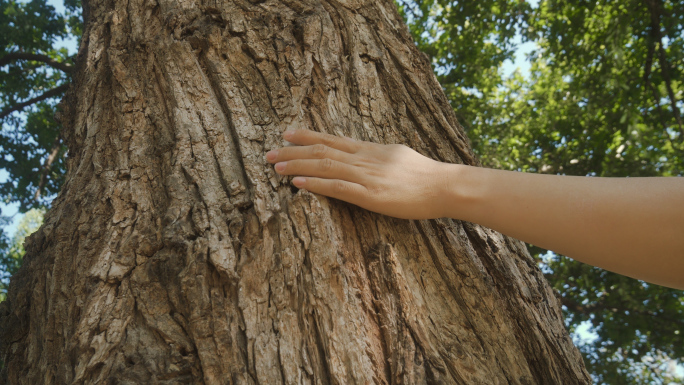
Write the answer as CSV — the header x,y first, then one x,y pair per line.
x,y
389,179
631,226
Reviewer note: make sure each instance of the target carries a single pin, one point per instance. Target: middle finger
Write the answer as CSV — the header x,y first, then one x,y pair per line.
x,y
317,151
322,168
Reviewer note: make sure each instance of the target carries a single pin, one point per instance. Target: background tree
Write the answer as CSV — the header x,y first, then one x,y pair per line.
x,y
33,79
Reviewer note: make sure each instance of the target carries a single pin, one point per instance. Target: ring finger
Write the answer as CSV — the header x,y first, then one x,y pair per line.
x,y
321,168
317,151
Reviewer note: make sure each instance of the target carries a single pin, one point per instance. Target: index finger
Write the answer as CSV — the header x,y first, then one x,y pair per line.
x,y
308,137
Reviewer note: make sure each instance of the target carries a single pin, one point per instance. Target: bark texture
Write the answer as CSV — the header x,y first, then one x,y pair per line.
x,y
175,255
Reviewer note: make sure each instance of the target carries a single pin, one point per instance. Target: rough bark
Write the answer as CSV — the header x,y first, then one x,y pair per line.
x,y
174,254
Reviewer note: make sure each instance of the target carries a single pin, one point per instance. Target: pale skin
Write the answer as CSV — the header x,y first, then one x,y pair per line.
x,y
631,226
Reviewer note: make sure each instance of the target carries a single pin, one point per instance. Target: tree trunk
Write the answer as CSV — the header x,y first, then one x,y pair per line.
x,y
175,255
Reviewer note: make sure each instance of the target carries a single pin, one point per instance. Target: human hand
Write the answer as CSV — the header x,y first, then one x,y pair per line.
x,y
389,179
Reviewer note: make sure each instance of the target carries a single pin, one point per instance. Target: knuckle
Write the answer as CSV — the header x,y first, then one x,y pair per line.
x,y
319,150
338,187
377,191
331,140
326,164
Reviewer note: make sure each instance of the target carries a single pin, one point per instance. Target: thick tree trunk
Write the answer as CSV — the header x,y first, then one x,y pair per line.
x,y
174,253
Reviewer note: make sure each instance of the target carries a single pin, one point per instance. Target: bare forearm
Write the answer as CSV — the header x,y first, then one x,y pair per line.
x,y
632,226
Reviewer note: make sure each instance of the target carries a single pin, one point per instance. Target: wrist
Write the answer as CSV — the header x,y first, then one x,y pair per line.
x,y
464,191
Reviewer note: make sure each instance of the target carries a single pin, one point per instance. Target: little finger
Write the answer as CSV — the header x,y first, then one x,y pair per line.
x,y
353,193
321,168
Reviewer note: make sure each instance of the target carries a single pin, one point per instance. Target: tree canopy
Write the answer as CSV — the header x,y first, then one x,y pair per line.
x,y
33,77
604,97
13,249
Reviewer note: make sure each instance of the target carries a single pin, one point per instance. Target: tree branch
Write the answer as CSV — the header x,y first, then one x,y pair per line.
x,y
579,308
10,57
664,67
661,115
48,94
647,73
56,145
654,7
649,61
600,306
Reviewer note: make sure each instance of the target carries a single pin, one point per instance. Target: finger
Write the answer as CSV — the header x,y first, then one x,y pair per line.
x,y
321,168
316,151
308,137
339,189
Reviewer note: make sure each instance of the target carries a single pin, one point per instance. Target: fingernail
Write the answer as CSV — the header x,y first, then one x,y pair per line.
x,y
271,155
299,181
280,166
288,134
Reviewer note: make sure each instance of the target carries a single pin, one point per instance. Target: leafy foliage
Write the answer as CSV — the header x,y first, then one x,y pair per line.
x,y
603,98
597,100
33,77
12,251
638,325
468,42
